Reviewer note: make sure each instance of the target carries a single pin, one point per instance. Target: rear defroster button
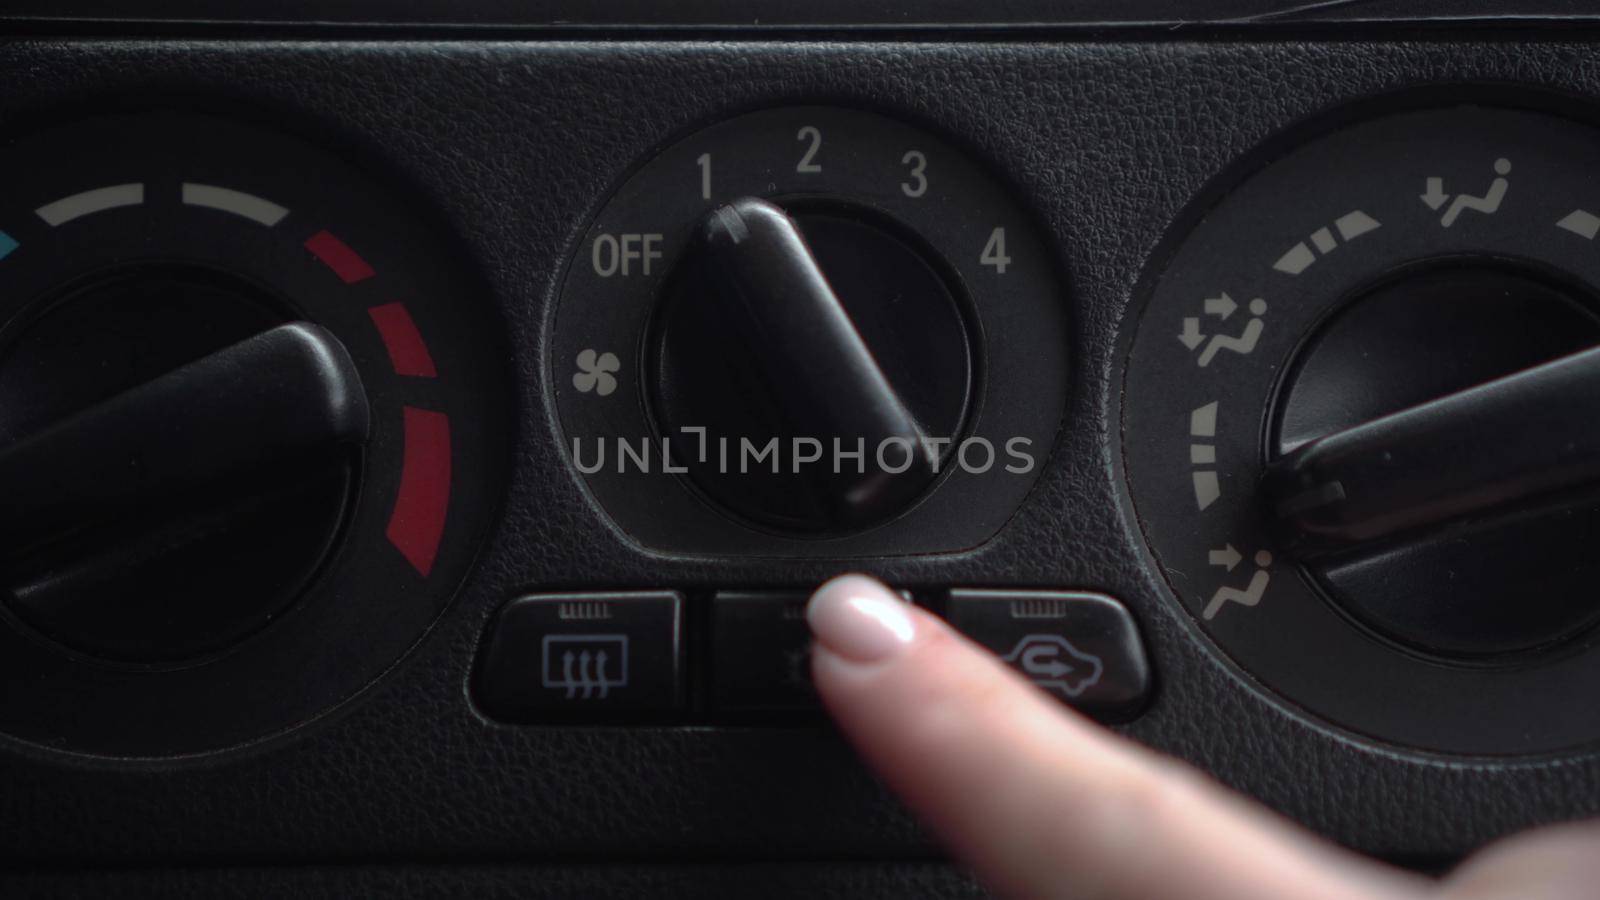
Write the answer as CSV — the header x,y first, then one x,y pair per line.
x,y
560,656
1083,648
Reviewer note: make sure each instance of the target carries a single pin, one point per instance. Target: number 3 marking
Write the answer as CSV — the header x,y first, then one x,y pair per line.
x,y
918,185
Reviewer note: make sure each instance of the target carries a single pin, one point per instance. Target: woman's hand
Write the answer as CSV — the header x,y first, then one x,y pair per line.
x,y
1044,803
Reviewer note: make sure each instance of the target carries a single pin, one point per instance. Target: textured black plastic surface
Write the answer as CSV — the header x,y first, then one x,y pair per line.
x,y
515,144
507,882
768,14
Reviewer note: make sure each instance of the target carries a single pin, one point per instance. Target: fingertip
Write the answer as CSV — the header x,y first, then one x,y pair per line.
x,y
858,619
1035,797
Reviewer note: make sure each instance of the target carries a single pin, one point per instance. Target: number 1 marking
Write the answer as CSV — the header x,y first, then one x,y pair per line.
x,y
704,161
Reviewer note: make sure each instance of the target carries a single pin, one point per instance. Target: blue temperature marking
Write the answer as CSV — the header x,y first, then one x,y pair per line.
x,y
7,244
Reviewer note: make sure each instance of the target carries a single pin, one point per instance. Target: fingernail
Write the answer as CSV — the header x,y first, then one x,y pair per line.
x,y
860,619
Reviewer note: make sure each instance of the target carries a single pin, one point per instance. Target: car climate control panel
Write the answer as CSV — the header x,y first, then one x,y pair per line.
x,y
435,439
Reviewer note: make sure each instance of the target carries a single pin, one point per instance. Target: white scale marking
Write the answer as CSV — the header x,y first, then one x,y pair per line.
x,y
83,203
256,209
1582,223
1323,240
1203,424
1350,226
1297,260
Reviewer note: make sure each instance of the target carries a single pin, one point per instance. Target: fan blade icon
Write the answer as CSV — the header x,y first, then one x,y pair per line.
x,y
595,372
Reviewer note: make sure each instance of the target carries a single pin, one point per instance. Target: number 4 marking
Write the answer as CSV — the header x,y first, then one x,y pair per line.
x,y
994,252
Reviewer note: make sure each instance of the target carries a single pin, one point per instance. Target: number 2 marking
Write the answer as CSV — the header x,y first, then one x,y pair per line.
x,y
807,165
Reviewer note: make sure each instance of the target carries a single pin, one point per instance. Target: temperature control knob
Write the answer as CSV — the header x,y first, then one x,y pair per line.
x,y
251,434
192,462
825,329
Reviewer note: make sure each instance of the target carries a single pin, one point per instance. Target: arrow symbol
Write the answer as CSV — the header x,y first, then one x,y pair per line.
x,y
1191,336
1435,197
1053,669
1227,556
1038,661
1221,307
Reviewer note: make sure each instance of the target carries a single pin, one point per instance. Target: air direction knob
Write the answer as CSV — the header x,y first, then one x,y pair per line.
x,y
1424,488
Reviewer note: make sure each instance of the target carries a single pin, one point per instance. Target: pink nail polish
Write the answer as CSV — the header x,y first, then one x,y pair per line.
x,y
860,619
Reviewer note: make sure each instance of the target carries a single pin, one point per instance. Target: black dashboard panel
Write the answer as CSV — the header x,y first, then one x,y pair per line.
x,y
777,15
1115,142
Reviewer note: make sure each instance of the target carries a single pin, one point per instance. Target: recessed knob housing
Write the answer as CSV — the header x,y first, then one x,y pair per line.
x,y
795,277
